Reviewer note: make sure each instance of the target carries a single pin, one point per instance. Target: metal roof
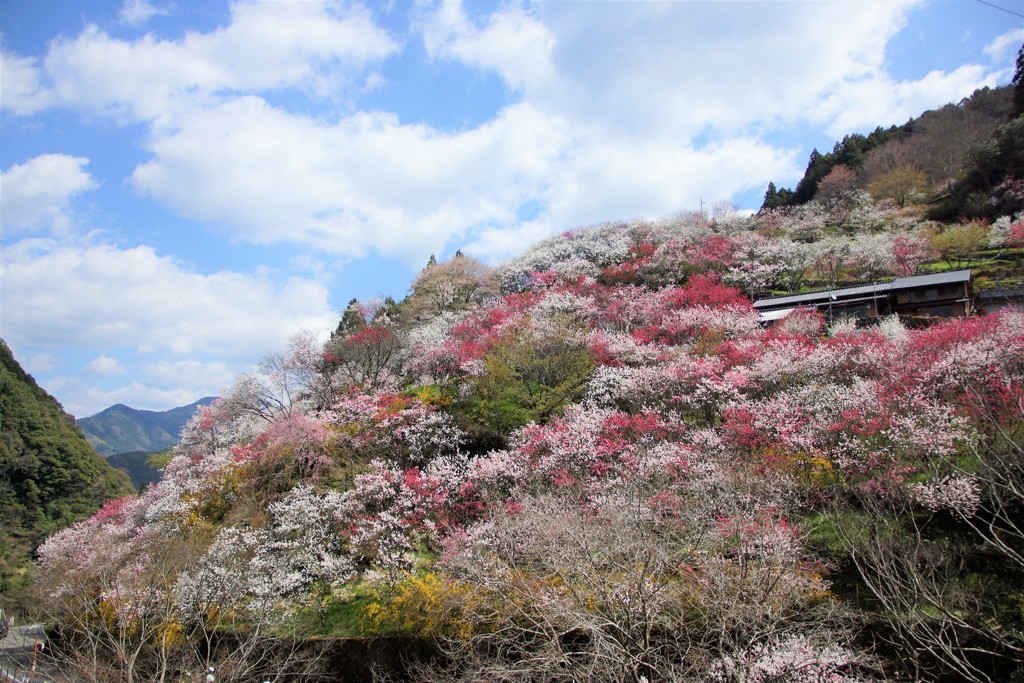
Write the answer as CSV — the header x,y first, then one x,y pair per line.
x,y
875,289
1007,294
852,300
839,294
934,279
777,313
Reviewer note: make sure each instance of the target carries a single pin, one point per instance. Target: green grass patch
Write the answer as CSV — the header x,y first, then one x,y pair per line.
x,y
826,531
341,618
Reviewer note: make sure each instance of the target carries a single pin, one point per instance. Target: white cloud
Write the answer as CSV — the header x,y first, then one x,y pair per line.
x,y
365,182
690,69
105,365
368,182
154,386
83,401
138,12
19,82
614,107
216,375
317,45
674,68
513,42
601,182
862,106
612,103
1006,45
109,297
37,195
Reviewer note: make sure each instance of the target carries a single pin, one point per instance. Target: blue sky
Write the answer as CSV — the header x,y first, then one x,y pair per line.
x,y
186,184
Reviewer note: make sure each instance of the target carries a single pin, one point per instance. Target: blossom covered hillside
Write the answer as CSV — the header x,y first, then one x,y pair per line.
x,y
594,463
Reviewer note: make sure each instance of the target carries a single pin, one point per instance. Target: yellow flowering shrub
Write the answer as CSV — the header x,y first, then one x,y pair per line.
x,y
425,604
810,469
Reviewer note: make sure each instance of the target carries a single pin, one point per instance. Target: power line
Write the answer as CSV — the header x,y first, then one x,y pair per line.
x,y
1008,11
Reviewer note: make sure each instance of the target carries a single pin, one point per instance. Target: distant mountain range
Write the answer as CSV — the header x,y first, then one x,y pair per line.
x,y
122,429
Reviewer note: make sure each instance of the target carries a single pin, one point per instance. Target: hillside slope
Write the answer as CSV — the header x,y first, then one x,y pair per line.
x,y
50,476
137,465
934,158
122,429
593,462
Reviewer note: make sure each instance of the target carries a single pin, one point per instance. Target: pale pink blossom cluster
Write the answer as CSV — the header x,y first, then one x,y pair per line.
x,y
599,245
961,495
761,263
102,546
792,658
401,429
1006,231
620,348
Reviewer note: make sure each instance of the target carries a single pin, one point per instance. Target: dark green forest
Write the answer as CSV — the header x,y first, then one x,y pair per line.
x,y
50,476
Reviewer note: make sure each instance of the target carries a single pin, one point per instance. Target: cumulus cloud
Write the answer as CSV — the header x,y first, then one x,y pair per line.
x,y
317,45
609,114
369,182
83,400
110,297
674,68
105,365
165,383
612,104
23,93
190,372
1005,45
152,386
37,195
689,69
605,181
37,362
512,41
882,101
364,182
138,12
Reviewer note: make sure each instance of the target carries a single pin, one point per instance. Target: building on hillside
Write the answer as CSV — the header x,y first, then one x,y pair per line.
x,y
997,299
942,295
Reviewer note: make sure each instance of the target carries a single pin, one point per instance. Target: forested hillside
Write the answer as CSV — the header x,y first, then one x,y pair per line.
x,y
594,463
143,467
49,475
965,159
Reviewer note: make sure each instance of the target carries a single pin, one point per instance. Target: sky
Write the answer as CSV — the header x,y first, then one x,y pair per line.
x,y
186,184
